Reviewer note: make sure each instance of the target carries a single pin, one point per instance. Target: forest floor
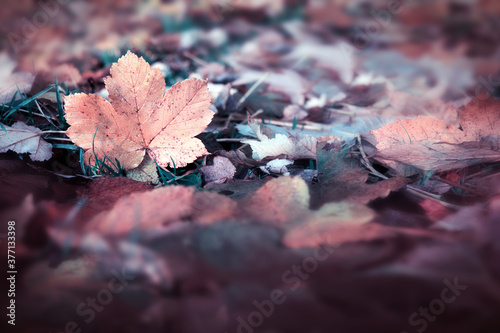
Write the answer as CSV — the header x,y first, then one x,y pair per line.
x,y
250,166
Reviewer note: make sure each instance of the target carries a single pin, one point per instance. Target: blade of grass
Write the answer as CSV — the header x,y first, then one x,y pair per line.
x,y
26,102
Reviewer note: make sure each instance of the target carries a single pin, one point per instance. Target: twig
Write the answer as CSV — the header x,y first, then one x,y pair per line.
x,y
54,132
253,88
426,195
366,163
195,58
49,119
34,113
230,140
465,188
60,139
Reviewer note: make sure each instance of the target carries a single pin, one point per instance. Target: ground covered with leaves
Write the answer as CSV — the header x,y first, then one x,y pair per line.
x,y
250,166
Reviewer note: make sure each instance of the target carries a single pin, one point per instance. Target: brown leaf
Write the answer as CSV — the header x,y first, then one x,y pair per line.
x,y
210,207
284,203
141,118
279,201
12,84
341,178
220,171
237,190
102,193
428,144
146,172
480,118
145,211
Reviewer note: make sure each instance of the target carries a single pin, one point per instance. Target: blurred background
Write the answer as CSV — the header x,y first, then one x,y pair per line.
x,y
353,65
75,39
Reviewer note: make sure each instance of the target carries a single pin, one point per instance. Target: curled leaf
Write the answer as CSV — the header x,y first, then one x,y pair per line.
x,y
293,146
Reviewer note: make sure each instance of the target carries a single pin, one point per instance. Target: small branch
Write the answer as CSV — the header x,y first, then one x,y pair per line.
x,y
35,114
253,88
59,139
54,132
366,163
230,140
195,59
426,195
465,188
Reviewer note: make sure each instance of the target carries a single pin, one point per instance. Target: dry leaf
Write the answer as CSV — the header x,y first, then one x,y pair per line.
x,y
22,138
13,84
334,223
428,144
341,178
294,113
146,211
146,172
237,190
220,171
336,57
480,118
141,117
280,201
211,207
284,202
293,146
277,166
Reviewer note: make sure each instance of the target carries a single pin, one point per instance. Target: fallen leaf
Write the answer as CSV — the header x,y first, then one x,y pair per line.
x,y
280,201
341,178
284,202
237,190
22,139
221,170
146,172
102,193
147,211
293,146
211,207
480,118
277,166
294,113
428,144
338,57
407,104
13,85
141,118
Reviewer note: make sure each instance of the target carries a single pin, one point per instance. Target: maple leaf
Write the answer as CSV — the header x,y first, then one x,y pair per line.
x,y
141,117
22,138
